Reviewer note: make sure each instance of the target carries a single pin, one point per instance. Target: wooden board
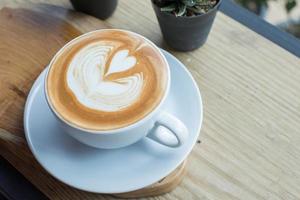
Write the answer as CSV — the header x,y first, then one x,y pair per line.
x,y
250,136
163,186
38,32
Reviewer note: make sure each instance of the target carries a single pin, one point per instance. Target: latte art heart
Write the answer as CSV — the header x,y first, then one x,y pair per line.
x,y
86,73
106,79
121,62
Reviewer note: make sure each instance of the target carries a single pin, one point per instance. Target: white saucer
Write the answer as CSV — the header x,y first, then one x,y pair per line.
x,y
112,171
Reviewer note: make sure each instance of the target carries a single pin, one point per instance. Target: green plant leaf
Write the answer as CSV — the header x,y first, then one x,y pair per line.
x,y
203,3
168,8
200,1
197,11
290,4
181,10
189,3
188,7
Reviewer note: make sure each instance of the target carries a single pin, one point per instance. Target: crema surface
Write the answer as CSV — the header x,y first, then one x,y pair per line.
x,y
106,80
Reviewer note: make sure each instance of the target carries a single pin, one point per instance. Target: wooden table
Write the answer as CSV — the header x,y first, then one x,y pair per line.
x,y
250,136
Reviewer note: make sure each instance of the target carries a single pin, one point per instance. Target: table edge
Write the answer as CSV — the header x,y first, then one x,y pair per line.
x,y
260,26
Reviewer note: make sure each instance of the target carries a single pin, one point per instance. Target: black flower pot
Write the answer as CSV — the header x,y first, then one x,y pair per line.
x,y
101,9
185,33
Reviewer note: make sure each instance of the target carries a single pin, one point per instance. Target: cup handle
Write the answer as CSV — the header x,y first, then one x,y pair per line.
x,y
168,130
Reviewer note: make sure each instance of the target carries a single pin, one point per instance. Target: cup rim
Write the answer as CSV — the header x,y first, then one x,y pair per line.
x,y
147,117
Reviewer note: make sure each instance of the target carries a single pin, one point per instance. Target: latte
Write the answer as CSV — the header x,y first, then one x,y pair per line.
x,y
106,80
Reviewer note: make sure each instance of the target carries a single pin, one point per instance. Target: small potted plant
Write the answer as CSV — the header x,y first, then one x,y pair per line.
x,y
185,24
101,9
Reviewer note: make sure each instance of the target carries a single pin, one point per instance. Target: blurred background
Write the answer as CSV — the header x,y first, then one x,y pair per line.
x,y
285,14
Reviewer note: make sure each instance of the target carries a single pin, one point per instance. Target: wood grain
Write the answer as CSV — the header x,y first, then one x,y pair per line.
x,y
163,186
40,32
250,136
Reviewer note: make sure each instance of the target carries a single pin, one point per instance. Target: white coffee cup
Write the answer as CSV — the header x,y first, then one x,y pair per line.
x,y
158,125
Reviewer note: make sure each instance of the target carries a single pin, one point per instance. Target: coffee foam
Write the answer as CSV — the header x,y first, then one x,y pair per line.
x,y
86,78
106,80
